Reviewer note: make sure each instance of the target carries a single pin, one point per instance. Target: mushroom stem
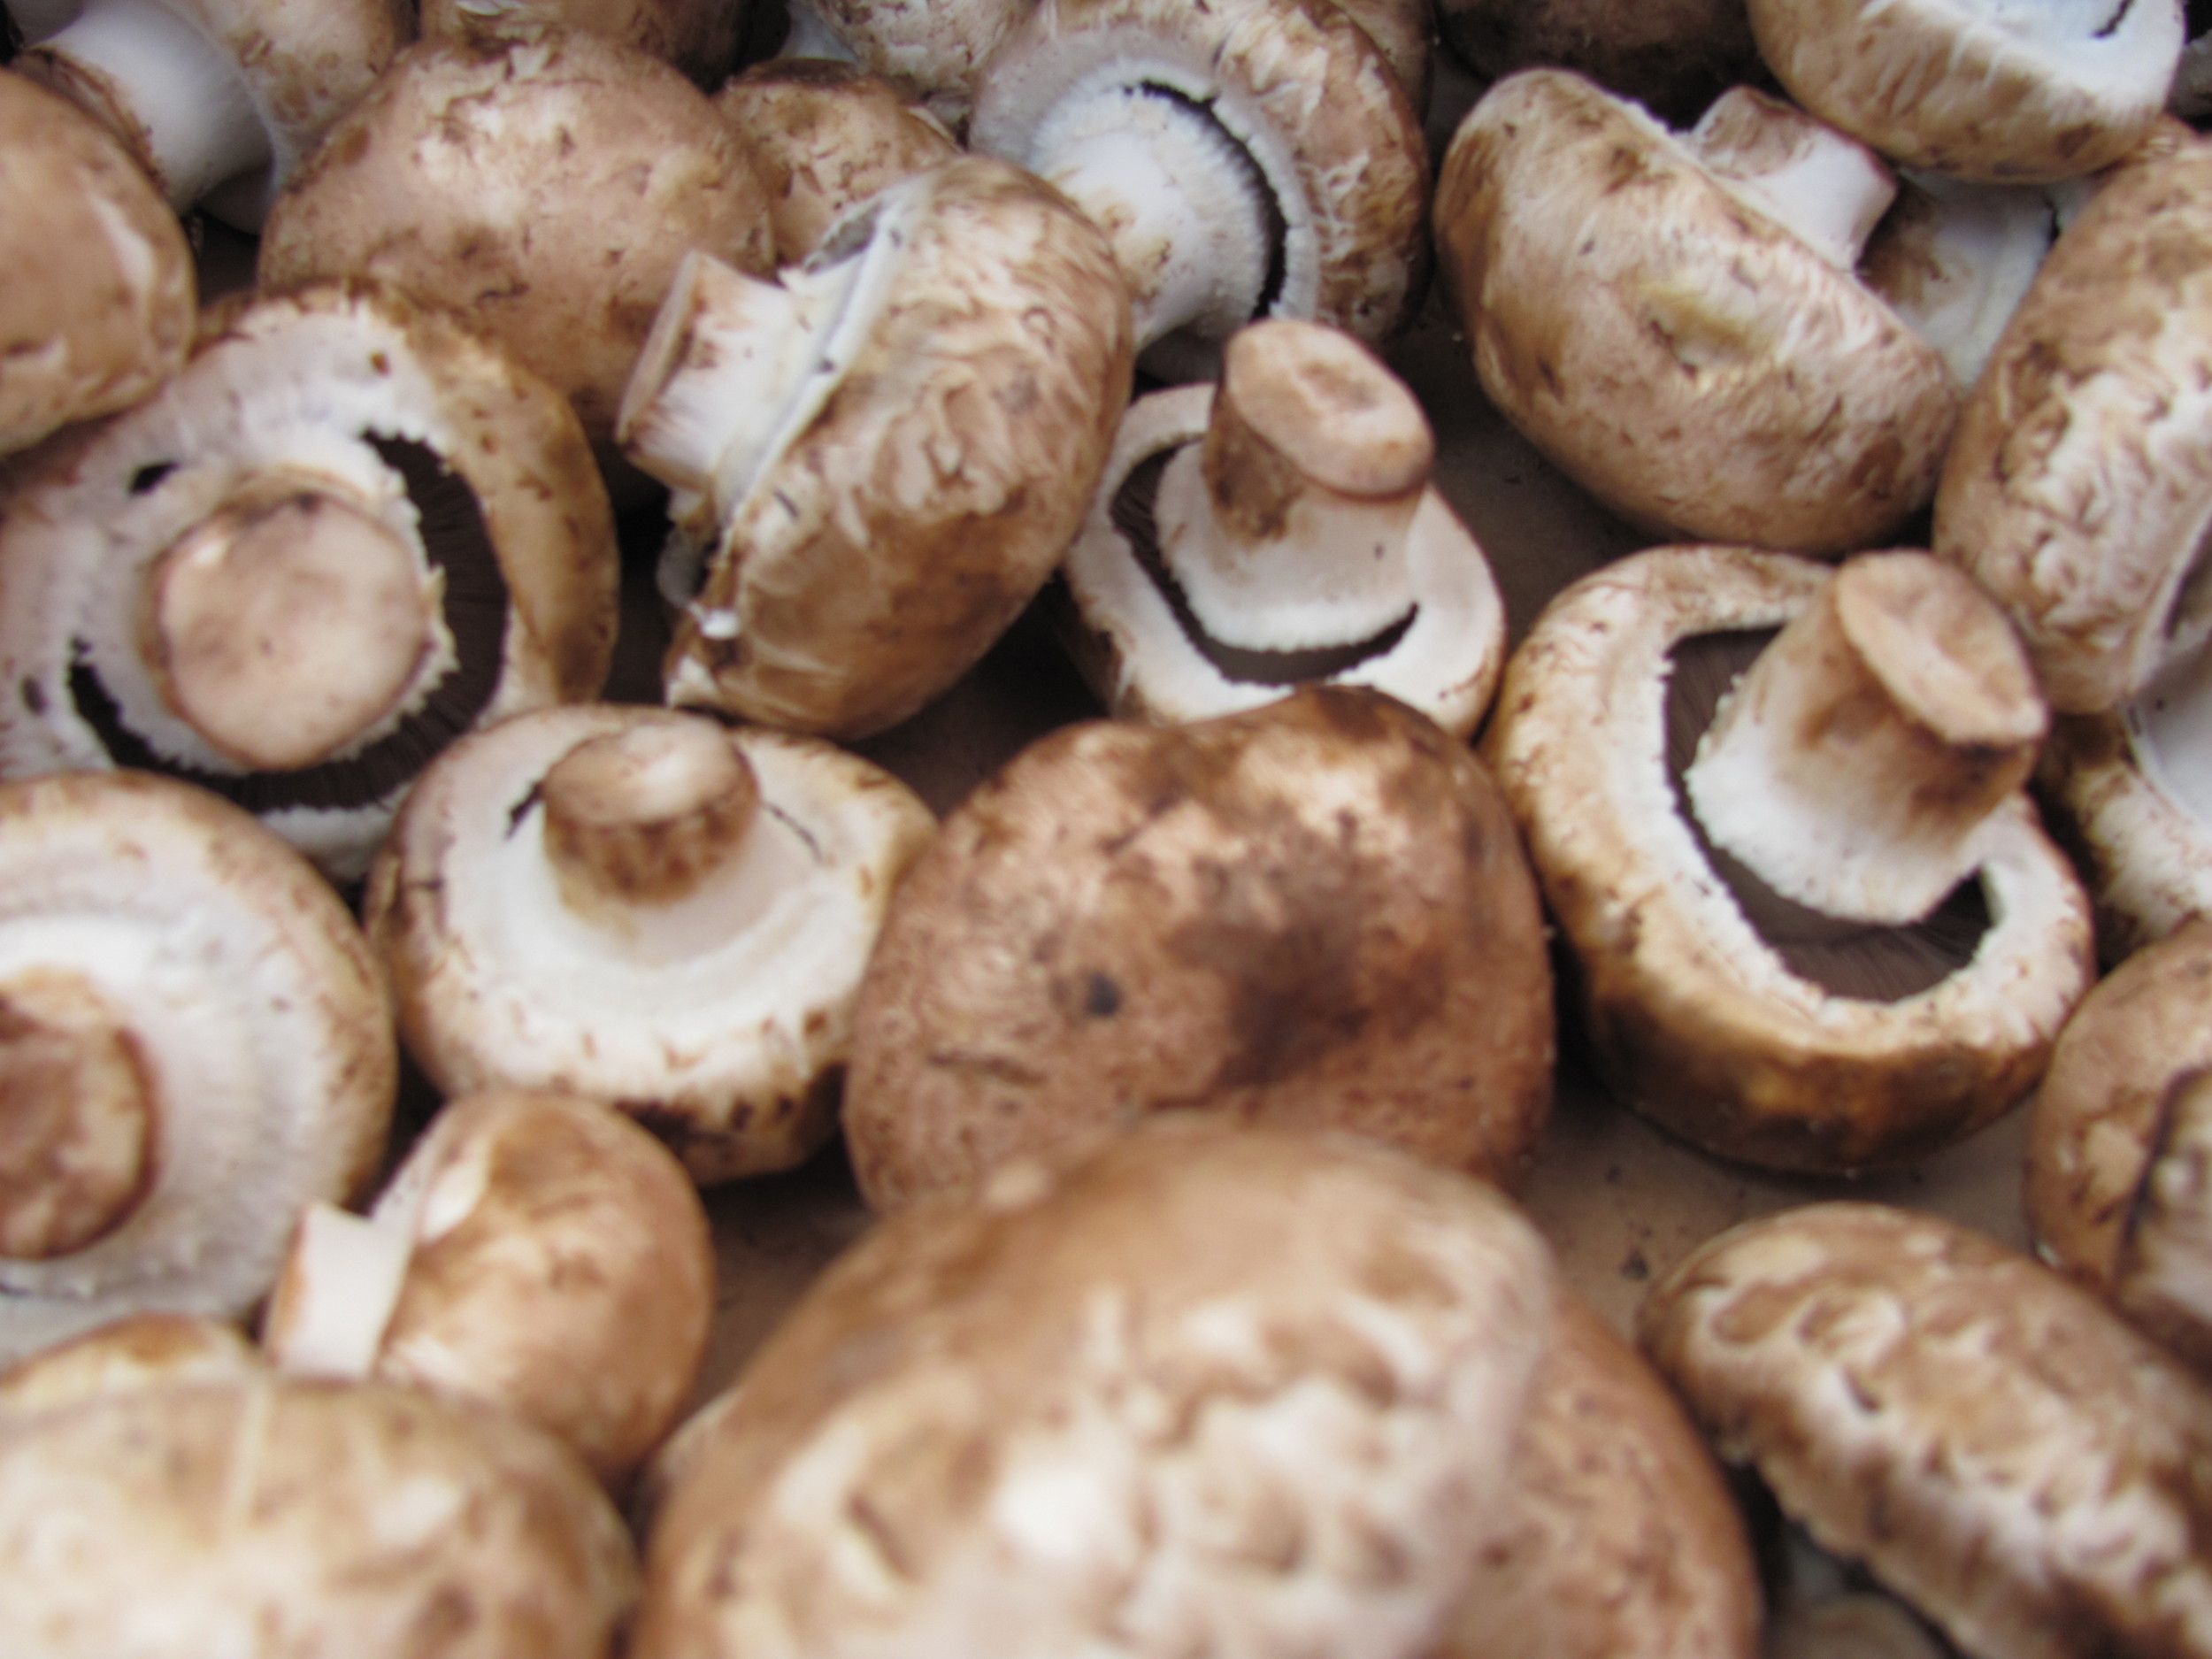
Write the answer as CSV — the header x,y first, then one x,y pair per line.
x,y
1286,528
77,1120
175,97
341,1284
1827,189
1853,763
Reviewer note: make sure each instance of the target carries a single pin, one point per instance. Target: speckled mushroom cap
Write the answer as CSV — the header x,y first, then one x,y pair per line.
x,y
139,1350
1695,364
2077,491
1212,1387
339,480
1694,1018
695,965
887,507
1979,89
271,1515
536,1252
941,50
700,37
104,315
2121,793
1995,1445
1311,913
1670,56
543,191
193,1035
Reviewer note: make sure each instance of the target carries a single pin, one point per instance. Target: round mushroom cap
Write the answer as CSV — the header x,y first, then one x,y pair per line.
x,y
699,37
254,1034
139,1350
104,315
1209,1387
1995,1444
1671,56
1697,366
542,191
1313,913
941,50
2118,790
270,1516
1982,89
168,611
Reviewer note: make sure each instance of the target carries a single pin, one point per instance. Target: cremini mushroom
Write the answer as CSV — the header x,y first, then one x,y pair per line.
x,y
1673,57
139,1350
940,49
646,908
1278,530
1314,912
882,455
1995,1445
104,314
1212,1387
1673,318
1818,1036
194,1042
2124,794
537,1252
346,533
699,37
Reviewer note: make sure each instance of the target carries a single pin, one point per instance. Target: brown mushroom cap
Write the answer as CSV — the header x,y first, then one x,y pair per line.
x,y
139,1350
1210,1387
699,37
941,50
104,314
1310,913
2139,837
1992,1442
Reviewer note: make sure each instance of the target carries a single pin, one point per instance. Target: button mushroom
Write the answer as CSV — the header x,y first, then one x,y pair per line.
x,y
699,37
139,1350
1315,912
645,909
194,1042
940,49
347,532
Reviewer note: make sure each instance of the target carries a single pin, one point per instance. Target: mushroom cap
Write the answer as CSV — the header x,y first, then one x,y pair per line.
x,y
941,50
1136,1401
272,1516
1980,89
888,542
1690,362
2144,852
542,191
2078,489
1695,1018
104,314
1671,56
825,136
139,1350
473,462
729,1048
1993,1443
1296,84
255,1013
699,37
1404,32
1311,913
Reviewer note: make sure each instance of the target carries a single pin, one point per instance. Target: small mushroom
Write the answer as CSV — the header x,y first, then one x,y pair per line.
x,y
1674,321
1673,57
1278,531
887,451
1814,1038
1315,912
645,909
194,1042
1993,1443
346,533
536,1252
104,315
1212,1388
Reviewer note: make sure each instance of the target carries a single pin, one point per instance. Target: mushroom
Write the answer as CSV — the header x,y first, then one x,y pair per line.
x,y
1279,530
537,1252
1979,89
543,190
699,37
1247,159
1315,912
217,100
887,452
264,1515
194,1042
1782,1043
1673,57
1212,1388
346,533
104,314
1995,1444
648,910
139,1350
940,49
1673,320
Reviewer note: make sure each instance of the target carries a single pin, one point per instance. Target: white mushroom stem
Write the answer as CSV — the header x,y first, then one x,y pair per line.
x,y
340,1287
175,97
1828,190
1286,528
1853,765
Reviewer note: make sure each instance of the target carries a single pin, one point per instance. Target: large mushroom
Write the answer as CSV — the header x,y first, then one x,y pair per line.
x,y
346,533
